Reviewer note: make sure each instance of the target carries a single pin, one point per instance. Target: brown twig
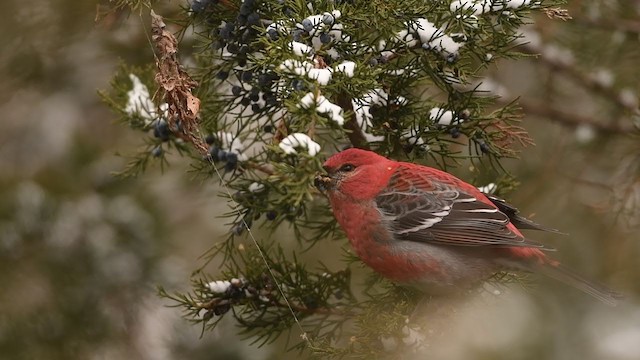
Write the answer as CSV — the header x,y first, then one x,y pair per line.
x,y
558,13
213,303
264,168
570,70
354,133
315,311
507,134
573,119
627,26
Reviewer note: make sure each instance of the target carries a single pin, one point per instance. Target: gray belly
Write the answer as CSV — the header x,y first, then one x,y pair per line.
x,y
453,268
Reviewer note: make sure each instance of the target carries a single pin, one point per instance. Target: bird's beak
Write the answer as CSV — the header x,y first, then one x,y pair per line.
x,y
323,182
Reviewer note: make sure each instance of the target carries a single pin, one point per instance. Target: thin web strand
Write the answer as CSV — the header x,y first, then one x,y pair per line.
x,y
235,207
244,223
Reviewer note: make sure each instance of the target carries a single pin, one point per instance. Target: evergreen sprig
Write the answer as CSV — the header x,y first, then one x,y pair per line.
x,y
282,81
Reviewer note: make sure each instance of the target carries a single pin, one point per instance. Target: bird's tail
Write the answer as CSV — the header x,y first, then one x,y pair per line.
x,y
569,277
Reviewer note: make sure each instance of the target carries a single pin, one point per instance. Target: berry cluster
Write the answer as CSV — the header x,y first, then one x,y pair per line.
x,y
236,292
238,35
251,203
198,6
237,40
161,132
216,154
255,91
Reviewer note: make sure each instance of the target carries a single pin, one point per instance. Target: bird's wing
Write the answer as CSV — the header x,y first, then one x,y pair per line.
x,y
520,222
420,209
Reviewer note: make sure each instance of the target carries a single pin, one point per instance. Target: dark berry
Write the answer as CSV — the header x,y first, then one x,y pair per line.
x,y
245,9
298,85
233,48
239,196
272,76
254,97
451,58
157,151
209,139
161,130
222,155
268,128
225,34
232,158
373,61
235,293
426,46
271,215
245,101
238,229
208,315
242,61
297,34
271,99
213,153
307,25
253,18
267,79
255,108
325,38
236,90
232,163
454,132
328,19
273,34
484,147
197,6
241,20
246,76
221,309
263,80
222,75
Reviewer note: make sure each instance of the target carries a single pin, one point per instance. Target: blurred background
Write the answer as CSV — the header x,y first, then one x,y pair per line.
x,y
82,252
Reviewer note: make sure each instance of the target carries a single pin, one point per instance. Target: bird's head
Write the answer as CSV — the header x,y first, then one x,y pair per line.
x,y
356,173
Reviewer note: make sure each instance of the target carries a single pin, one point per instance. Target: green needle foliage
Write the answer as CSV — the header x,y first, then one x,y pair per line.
x,y
397,77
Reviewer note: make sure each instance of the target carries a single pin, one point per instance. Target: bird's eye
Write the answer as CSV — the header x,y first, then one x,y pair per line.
x,y
347,168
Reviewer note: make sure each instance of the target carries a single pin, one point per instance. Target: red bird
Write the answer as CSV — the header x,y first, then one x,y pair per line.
x,y
425,228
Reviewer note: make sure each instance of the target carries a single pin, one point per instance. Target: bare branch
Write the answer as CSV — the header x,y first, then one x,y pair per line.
x,y
573,119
